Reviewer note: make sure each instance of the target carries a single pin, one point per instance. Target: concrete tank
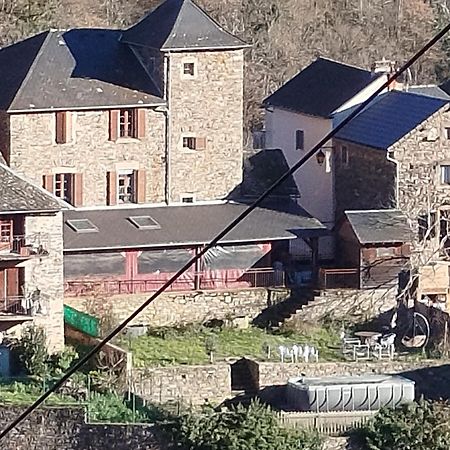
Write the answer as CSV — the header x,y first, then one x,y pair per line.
x,y
348,393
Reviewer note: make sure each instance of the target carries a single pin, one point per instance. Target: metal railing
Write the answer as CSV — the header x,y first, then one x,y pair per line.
x,y
15,305
253,278
339,278
25,245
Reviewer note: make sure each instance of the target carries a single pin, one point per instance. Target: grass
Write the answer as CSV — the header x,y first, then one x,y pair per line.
x,y
162,347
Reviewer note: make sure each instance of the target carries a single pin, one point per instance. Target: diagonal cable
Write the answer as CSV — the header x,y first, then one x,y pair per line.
x,y
223,233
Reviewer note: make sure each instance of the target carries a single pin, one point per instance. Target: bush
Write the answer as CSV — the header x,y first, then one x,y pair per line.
x,y
240,428
418,426
32,351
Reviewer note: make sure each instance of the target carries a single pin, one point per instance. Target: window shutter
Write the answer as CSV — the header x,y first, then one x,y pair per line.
x,y
61,127
140,180
48,182
113,124
78,189
200,143
111,188
141,123
68,126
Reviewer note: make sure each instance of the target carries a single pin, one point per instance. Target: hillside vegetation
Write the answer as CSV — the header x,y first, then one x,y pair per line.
x,y
285,34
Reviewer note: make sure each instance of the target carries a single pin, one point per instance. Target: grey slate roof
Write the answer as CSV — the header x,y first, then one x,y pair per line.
x,y
80,68
321,88
390,117
183,225
430,91
18,195
180,25
380,226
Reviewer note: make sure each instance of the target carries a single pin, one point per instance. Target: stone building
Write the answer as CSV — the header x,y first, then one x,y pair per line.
x,y
152,114
31,258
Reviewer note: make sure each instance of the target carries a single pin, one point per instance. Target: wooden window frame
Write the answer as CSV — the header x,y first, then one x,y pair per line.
x,y
189,69
447,132
123,197
192,143
71,193
6,234
127,123
128,126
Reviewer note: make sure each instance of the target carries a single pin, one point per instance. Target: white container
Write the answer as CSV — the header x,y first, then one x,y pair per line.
x,y
349,393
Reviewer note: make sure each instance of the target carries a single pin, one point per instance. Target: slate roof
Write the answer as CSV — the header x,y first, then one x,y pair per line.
x,y
380,226
180,25
321,88
18,195
390,117
183,225
430,91
80,68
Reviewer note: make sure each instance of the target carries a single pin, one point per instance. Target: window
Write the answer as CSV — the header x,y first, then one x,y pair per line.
x,y
344,155
427,226
67,186
6,233
64,186
187,198
126,187
127,123
82,225
445,174
144,222
63,122
189,69
299,140
447,132
193,143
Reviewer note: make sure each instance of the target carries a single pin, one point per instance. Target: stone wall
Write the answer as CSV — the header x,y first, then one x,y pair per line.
x,y
349,305
366,182
34,153
208,105
65,429
171,309
195,385
45,274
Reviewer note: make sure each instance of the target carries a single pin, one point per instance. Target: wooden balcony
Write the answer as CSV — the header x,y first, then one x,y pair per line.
x,y
16,308
339,278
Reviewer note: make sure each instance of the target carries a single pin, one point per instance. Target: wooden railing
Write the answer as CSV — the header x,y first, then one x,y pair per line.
x,y
15,305
34,244
339,278
253,278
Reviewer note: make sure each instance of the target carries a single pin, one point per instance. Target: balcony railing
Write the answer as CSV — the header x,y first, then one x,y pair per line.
x,y
339,278
253,278
15,306
25,246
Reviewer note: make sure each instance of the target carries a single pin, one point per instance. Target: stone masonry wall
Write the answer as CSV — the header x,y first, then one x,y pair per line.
x,y
349,305
366,182
172,309
34,152
65,429
195,385
209,105
46,274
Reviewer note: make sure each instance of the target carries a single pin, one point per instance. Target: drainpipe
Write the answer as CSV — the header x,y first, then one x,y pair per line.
x,y
397,175
167,97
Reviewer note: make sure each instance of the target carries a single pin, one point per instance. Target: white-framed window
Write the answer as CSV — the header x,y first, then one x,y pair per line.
x,y
299,140
126,186
447,132
445,174
187,198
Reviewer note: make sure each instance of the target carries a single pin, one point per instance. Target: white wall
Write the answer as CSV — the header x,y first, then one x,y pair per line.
x,y
314,182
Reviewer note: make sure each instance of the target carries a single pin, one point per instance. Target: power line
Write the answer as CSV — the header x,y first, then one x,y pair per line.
x,y
223,233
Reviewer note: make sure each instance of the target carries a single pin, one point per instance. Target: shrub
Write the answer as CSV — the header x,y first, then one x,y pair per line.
x,y
32,351
417,426
240,428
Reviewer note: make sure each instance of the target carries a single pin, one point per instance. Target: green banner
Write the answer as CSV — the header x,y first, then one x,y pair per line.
x,y
81,321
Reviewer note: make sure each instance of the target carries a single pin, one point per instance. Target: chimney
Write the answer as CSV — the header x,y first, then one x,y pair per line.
x,y
386,67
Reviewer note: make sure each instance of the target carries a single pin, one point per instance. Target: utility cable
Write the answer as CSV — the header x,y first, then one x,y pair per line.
x,y
223,233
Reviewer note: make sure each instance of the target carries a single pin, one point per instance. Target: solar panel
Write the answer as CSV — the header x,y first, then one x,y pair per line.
x,y
82,225
144,222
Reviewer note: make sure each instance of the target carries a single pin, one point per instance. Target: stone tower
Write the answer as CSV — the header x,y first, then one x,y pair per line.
x,y
198,68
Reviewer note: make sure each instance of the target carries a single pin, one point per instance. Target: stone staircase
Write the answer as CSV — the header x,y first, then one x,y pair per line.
x,y
276,314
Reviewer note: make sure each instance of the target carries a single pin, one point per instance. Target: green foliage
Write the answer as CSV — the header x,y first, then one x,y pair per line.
x,y
418,426
191,345
32,351
240,428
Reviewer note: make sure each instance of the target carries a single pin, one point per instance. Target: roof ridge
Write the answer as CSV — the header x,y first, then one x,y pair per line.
x,y
34,63
416,94
353,66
